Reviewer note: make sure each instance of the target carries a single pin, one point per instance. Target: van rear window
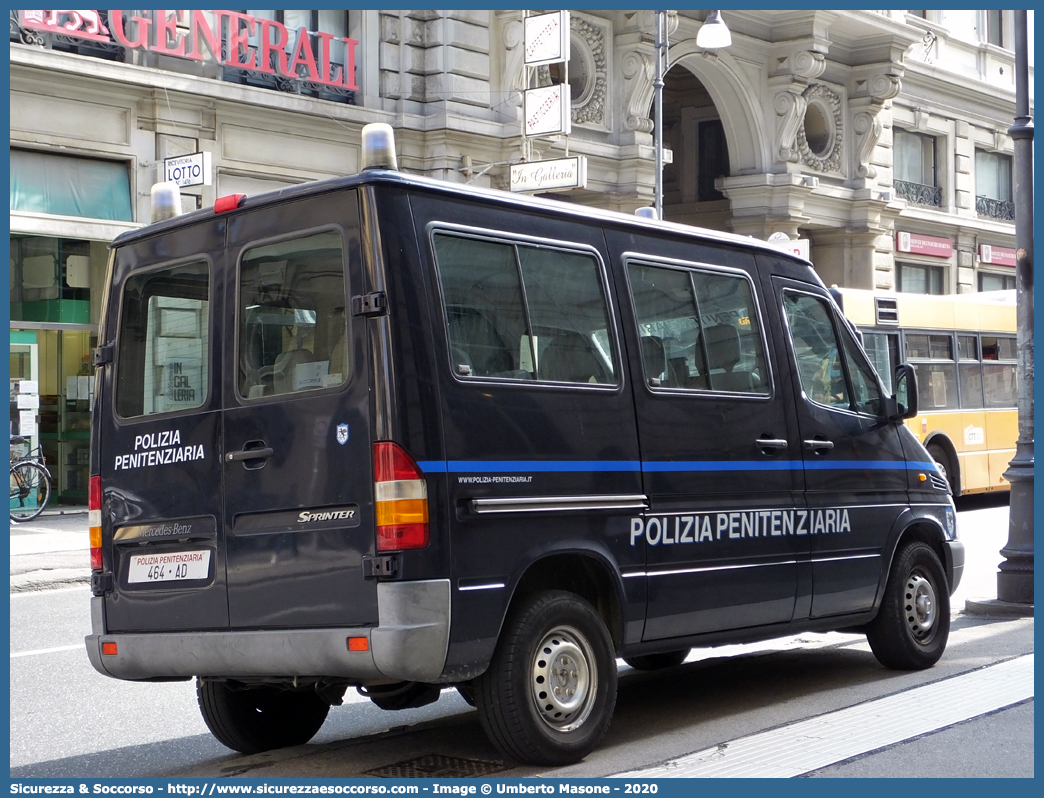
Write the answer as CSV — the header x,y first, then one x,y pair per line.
x,y
163,341
517,311
293,329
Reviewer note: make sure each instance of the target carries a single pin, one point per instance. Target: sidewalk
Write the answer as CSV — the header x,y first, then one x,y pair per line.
x,y
51,551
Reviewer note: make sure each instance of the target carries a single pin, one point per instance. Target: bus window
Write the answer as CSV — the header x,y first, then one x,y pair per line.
x,y
936,371
883,351
998,376
970,372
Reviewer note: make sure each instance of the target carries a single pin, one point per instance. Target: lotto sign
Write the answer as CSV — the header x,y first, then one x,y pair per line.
x,y
547,38
547,110
188,170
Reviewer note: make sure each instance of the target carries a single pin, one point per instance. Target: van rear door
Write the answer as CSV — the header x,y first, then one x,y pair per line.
x,y
157,433
298,512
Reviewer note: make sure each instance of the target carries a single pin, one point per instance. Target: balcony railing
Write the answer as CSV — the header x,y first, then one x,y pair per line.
x,y
995,208
918,194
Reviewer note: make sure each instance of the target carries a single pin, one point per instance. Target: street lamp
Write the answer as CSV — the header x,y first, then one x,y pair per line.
x,y
1015,580
713,35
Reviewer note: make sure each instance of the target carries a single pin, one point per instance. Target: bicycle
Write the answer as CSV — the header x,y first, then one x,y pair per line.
x,y
30,484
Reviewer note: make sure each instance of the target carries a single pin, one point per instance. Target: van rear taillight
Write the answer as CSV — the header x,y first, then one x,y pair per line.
x,y
401,499
94,503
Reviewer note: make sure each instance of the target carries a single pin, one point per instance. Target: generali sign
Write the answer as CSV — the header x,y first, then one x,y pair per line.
x,y
196,35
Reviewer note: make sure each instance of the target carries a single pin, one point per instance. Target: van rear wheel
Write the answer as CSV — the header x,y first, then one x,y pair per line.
x,y
913,624
255,719
550,690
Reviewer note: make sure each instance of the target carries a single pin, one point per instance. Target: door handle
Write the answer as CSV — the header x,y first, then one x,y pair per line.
x,y
771,443
250,454
818,443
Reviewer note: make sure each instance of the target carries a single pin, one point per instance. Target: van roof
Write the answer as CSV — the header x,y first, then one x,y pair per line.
x,y
390,177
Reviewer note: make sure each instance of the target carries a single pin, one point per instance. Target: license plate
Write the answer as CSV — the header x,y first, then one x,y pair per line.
x,y
174,566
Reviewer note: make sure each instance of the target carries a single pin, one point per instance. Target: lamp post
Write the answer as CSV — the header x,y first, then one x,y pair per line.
x,y
713,35
1015,579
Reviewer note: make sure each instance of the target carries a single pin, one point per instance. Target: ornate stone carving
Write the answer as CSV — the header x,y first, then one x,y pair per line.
x,y
791,106
830,102
637,70
514,61
867,126
807,64
589,39
884,86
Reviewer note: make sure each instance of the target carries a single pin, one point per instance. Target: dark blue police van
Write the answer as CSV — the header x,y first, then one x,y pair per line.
x,y
396,434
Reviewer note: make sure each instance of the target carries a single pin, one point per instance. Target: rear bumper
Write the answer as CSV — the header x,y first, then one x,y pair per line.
x,y
409,644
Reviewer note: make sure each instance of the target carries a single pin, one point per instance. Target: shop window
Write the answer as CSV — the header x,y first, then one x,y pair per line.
x,y
989,281
50,279
42,182
915,168
993,197
914,278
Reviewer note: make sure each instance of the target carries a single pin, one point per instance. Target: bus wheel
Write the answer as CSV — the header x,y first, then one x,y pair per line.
x,y
656,662
911,628
255,719
942,460
549,693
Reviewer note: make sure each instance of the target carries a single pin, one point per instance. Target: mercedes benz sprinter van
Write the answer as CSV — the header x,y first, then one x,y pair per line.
x,y
396,434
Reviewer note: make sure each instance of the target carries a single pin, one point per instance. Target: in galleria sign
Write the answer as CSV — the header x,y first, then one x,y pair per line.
x,y
195,34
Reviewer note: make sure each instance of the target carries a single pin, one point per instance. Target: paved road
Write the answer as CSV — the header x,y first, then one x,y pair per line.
x,y
67,720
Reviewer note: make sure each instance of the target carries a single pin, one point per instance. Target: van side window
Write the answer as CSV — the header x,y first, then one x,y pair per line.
x,y
516,311
816,351
699,330
163,341
822,363
293,329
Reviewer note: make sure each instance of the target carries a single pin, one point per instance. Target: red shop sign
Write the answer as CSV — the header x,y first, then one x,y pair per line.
x,y
999,256
917,244
186,34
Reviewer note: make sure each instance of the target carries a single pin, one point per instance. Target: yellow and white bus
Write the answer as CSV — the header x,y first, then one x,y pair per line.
x,y
963,349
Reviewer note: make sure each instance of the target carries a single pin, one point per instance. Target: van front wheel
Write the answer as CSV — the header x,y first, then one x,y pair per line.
x,y
910,631
550,690
255,719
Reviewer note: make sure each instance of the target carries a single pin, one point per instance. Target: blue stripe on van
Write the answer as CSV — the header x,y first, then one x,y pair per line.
x,y
546,466
514,466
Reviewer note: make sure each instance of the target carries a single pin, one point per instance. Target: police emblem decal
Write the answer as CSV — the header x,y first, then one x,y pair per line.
x,y
342,434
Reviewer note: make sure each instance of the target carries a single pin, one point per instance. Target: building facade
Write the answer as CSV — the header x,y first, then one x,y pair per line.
x,y
879,137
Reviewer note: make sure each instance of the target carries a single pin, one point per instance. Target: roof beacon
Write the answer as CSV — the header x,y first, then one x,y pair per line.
x,y
646,213
166,201
378,147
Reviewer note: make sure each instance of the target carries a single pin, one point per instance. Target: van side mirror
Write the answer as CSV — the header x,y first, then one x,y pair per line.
x,y
905,391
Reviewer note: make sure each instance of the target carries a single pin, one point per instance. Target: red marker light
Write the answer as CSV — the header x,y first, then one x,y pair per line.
x,y
228,203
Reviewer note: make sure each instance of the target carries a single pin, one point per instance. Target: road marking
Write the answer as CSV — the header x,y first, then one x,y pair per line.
x,y
836,736
15,654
